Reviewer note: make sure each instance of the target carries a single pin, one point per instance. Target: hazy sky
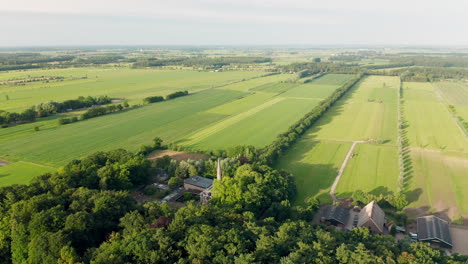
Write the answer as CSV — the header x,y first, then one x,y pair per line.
x,y
233,22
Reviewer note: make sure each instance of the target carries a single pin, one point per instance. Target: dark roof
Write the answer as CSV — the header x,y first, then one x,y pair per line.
x,y
374,213
431,227
199,181
336,213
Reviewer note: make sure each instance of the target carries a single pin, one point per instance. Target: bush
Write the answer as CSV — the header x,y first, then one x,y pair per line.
x,y
176,94
175,182
153,99
150,190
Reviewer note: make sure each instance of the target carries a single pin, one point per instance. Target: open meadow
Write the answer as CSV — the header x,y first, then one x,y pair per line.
x,y
220,116
259,125
115,82
438,148
368,112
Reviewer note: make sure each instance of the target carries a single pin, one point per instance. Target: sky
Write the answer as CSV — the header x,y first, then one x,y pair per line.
x,y
233,22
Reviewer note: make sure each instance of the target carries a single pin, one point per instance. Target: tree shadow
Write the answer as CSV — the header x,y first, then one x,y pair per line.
x,y
413,195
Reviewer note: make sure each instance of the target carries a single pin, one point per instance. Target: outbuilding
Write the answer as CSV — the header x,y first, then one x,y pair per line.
x,y
434,230
336,215
197,183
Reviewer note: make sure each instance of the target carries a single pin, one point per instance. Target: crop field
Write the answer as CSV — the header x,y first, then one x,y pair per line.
x,y
260,125
227,113
131,84
367,112
439,148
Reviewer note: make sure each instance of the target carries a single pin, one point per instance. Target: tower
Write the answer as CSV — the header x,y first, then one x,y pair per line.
x,y
219,173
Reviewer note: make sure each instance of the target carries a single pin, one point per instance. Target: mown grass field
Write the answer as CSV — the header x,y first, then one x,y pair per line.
x,y
259,124
374,168
367,111
131,84
314,165
430,123
439,149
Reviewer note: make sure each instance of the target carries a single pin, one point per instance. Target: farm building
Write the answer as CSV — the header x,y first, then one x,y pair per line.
x,y
336,215
372,217
434,230
197,183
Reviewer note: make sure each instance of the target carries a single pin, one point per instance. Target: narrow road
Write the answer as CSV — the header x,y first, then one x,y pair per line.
x,y
343,166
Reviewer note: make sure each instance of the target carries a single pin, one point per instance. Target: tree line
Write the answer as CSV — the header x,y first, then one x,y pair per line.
x,y
155,99
271,153
51,108
205,62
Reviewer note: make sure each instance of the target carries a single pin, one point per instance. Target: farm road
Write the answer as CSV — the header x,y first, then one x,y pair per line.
x,y
343,166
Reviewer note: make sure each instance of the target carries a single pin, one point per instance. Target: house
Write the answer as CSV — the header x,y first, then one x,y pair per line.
x,y
336,215
372,217
434,230
197,183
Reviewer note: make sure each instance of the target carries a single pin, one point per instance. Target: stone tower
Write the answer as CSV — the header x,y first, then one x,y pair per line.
x,y
219,173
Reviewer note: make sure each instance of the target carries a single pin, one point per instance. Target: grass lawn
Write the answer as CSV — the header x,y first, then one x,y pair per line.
x,y
314,165
131,84
374,169
20,172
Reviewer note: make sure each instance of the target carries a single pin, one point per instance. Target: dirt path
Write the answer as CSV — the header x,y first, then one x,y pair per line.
x,y
340,172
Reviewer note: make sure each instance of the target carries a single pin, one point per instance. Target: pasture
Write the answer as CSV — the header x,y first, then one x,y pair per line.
x,y
430,124
21,172
438,148
131,84
367,111
314,165
260,125
373,168
229,114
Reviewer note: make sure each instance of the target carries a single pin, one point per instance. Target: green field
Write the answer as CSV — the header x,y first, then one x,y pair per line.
x,y
439,148
430,123
373,169
131,84
456,93
259,125
367,111
314,165
21,172
221,117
